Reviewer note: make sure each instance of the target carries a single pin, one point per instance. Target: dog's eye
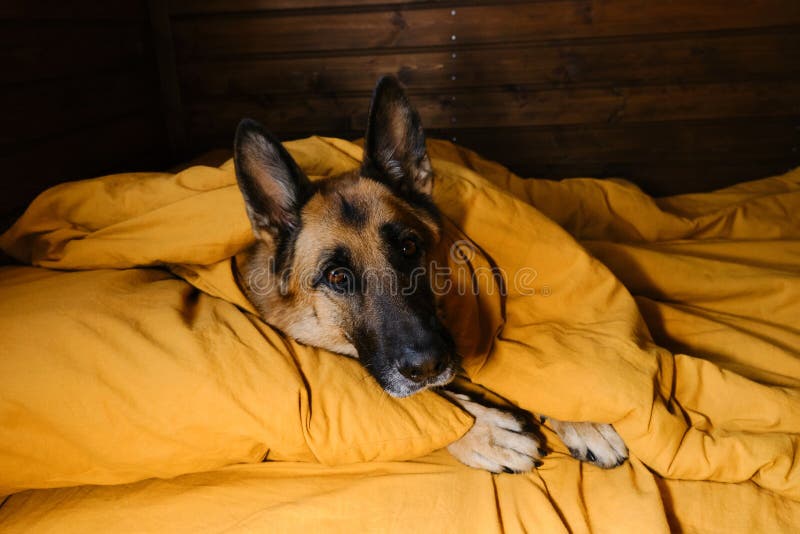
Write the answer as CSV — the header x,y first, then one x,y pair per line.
x,y
408,247
338,277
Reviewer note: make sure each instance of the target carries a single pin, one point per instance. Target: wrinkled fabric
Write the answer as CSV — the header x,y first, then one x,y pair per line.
x,y
675,319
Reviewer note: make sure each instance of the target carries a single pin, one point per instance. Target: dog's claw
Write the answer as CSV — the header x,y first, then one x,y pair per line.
x,y
595,443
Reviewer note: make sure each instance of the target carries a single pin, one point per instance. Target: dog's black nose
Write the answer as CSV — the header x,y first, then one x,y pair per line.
x,y
420,366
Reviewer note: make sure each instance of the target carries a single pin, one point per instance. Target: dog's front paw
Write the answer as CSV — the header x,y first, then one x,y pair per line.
x,y
499,441
595,443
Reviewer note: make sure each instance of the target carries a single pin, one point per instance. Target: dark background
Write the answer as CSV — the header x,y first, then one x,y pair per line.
x,y
677,95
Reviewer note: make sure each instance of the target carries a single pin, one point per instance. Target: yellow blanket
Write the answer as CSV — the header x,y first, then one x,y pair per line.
x,y
139,359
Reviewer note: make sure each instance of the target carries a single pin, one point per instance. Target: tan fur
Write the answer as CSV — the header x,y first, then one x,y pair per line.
x,y
596,443
496,442
309,316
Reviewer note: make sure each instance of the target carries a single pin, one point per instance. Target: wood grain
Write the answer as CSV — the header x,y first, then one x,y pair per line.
x,y
229,36
680,95
604,62
663,158
205,7
509,108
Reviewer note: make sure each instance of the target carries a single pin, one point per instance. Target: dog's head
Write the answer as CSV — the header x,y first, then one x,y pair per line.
x,y
342,263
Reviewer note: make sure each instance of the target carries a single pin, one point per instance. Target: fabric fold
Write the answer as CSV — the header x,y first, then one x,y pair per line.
x,y
674,319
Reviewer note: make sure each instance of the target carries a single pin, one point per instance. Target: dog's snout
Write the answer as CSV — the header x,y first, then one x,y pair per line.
x,y
420,366
405,352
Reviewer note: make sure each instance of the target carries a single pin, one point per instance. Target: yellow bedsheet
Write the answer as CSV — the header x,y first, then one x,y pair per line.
x,y
685,335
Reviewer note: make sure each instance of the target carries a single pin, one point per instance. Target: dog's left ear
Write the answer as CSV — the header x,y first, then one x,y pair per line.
x,y
394,148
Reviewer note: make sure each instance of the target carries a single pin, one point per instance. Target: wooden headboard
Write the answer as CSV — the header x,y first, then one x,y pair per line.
x,y
678,95
683,95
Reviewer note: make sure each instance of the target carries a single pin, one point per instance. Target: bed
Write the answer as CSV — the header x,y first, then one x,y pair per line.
x,y
139,392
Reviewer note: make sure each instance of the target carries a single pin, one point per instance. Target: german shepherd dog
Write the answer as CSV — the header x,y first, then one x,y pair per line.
x,y
318,239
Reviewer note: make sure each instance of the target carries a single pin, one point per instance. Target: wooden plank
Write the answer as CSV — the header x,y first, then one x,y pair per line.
x,y
83,10
681,95
664,158
218,119
510,108
663,178
196,7
52,108
711,140
681,59
623,105
565,19
30,52
131,143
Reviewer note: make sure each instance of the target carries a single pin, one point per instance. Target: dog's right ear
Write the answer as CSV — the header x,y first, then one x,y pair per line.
x,y
273,186
394,143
